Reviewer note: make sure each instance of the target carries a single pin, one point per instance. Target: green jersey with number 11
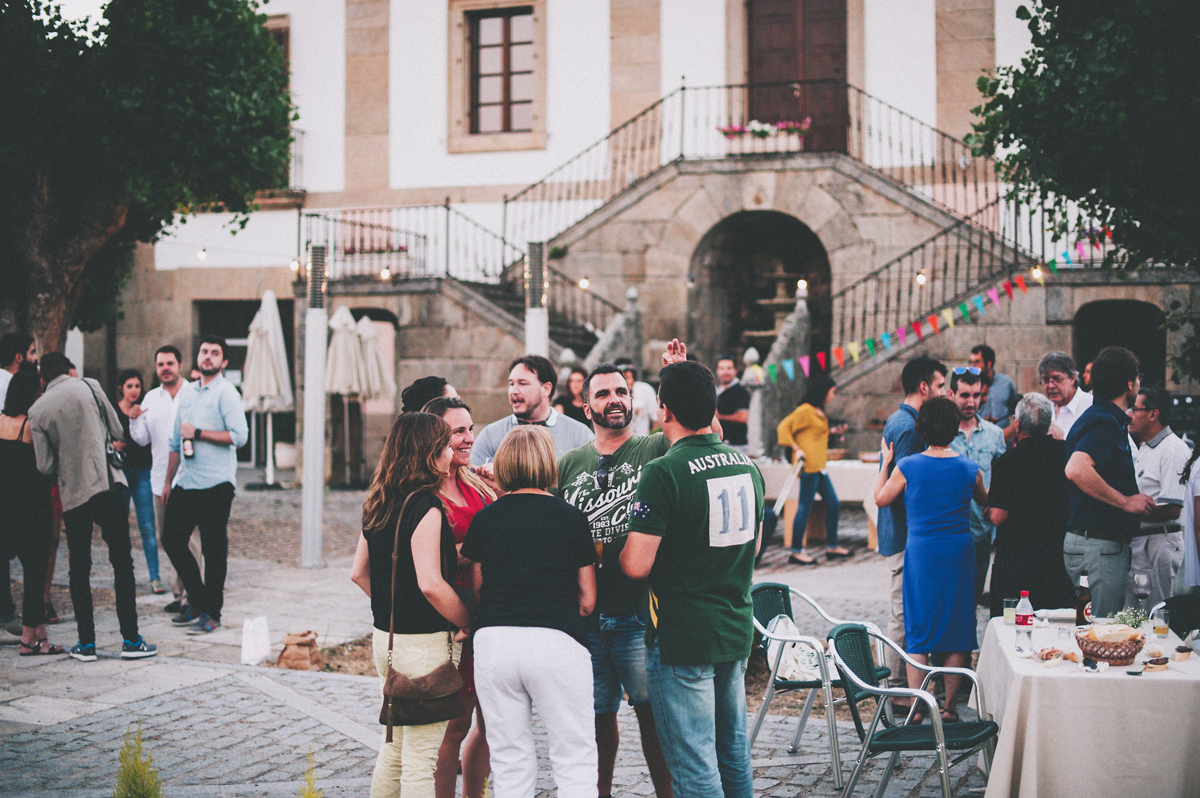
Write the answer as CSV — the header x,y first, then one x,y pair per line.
x,y
705,500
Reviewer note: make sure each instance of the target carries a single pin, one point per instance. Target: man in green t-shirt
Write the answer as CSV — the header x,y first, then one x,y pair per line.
x,y
600,478
693,532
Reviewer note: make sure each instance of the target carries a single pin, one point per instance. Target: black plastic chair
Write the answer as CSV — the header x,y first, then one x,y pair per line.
x,y
771,600
850,648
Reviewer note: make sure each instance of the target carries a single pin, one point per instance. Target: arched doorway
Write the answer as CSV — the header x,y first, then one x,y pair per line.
x,y
744,271
1137,326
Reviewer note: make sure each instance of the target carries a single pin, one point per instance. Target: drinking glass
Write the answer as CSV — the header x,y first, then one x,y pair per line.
x,y
1141,588
1010,611
1162,624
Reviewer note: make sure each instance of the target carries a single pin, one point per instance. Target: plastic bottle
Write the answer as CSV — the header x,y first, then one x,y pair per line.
x,y
1024,624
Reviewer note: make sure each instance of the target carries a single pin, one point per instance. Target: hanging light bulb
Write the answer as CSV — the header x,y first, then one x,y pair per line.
x,y
1037,272
295,265
921,278
585,283
385,273
802,285
202,254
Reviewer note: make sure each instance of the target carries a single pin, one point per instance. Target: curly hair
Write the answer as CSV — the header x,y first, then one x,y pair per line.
x,y
408,464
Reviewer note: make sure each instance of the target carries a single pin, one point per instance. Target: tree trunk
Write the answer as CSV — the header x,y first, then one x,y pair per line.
x,y
55,246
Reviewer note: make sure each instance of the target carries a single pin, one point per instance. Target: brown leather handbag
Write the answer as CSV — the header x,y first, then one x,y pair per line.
x,y
434,697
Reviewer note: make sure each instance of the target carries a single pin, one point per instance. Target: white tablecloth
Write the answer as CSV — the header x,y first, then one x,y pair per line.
x,y
1068,733
853,480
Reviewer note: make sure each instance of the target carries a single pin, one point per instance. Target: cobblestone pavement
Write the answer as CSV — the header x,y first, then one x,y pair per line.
x,y
215,727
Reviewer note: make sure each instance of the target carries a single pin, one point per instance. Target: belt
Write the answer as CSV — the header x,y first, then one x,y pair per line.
x,y
1161,529
1083,533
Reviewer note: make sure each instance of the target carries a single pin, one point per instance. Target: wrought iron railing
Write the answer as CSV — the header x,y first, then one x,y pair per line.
x,y
567,299
406,242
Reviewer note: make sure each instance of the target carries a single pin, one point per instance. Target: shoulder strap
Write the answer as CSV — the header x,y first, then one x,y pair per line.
x,y
395,557
104,424
21,431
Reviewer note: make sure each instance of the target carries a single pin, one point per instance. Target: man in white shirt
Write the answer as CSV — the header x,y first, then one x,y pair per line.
x,y
151,425
1058,376
1157,546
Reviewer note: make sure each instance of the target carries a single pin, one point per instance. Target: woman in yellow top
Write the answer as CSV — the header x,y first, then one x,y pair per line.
x,y
807,431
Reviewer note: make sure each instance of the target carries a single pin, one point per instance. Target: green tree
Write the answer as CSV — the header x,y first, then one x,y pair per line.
x,y
136,775
111,134
1102,113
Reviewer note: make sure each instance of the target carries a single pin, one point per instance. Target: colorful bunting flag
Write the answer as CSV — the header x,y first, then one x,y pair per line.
x,y
966,314
804,364
948,315
933,322
1066,256
917,329
995,296
821,360
837,355
887,341
870,342
978,300
1021,284
772,371
902,334
1008,288
854,350
789,368
1053,264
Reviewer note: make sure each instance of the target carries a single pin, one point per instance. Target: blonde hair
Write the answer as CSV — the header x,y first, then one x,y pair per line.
x,y
526,459
408,464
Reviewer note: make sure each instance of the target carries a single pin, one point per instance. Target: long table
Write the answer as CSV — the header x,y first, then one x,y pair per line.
x,y
1064,732
853,481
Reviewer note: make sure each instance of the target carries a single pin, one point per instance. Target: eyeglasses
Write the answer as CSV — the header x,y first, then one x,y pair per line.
x,y
602,471
1135,409
961,370
1057,379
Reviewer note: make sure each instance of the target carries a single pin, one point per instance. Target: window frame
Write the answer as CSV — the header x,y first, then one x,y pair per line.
x,y
460,103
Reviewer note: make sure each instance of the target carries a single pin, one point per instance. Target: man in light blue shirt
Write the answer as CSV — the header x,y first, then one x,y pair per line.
x,y
1002,397
198,492
981,441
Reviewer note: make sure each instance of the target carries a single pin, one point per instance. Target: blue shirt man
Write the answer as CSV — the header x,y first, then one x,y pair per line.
x,y
1002,397
210,422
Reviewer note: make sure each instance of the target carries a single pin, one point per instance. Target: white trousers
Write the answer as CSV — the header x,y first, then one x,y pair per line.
x,y
517,668
1159,555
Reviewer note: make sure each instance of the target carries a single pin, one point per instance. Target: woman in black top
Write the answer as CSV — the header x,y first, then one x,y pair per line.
x,y
25,497
570,404
137,472
416,458
535,573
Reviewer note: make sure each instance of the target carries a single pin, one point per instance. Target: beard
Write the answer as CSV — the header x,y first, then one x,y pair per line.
x,y
211,371
621,422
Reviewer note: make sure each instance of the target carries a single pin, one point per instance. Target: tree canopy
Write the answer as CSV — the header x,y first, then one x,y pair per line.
x,y
1103,112
109,134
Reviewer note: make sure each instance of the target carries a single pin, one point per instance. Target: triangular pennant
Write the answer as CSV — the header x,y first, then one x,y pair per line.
x,y
1053,264
887,341
837,355
1021,284
1066,256
966,314
870,342
994,295
772,371
933,322
902,334
821,360
948,316
1008,288
804,364
978,300
917,329
789,368
854,350
1079,250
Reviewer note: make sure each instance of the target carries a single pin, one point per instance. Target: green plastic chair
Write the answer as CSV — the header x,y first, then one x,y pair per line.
x,y
850,647
772,599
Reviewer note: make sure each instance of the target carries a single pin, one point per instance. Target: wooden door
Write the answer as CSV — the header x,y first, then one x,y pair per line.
x,y
800,41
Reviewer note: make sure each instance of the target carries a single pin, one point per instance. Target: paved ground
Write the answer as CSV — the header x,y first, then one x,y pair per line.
x,y
215,727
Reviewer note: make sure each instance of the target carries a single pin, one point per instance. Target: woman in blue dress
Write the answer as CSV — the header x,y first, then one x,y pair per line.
x,y
936,487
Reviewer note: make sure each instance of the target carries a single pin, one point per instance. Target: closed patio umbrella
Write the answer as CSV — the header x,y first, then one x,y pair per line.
x,y
379,377
266,384
345,371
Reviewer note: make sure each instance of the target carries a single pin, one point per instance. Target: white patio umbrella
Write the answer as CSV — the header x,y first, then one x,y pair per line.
x,y
266,383
345,371
379,378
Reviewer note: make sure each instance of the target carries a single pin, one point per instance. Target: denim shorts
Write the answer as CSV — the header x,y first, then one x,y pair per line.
x,y
618,648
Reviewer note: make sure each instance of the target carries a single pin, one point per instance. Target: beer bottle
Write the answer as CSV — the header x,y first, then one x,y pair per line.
x,y
1083,601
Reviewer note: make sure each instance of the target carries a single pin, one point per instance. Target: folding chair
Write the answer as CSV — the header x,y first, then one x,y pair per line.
x,y
772,599
850,648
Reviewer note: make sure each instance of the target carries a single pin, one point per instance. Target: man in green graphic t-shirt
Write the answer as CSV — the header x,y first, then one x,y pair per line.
x,y
600,478
693,534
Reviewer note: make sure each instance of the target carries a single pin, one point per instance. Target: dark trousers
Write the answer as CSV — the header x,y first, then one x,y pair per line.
x,y
207,509
107,510
7,605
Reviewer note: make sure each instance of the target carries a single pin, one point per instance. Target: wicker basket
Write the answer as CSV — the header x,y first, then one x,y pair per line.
x,y
1112,653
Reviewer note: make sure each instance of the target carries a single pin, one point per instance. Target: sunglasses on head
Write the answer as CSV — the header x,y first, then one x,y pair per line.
x,y
961,370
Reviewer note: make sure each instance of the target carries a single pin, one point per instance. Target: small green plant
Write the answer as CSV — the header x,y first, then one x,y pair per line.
x,y
136,776
1131,617
556,253
310,780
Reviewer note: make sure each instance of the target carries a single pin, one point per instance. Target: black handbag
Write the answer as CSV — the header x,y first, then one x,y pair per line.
x,y
432,698
115,457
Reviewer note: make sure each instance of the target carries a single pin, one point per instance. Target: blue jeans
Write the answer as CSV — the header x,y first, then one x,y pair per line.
x,y
618,648
143,503
700,715
810,486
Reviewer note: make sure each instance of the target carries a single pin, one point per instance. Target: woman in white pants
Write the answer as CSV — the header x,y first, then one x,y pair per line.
x,y
534,562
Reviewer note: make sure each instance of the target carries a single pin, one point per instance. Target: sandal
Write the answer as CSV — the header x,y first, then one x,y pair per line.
x,y
950,716
900,713
51,615
794,560
42,647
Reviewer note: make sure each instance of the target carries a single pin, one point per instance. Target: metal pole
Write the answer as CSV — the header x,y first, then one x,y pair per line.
x,y
270,449
313,496
537,318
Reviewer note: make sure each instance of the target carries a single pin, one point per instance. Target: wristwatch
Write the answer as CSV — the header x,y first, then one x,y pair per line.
x,y
196,434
